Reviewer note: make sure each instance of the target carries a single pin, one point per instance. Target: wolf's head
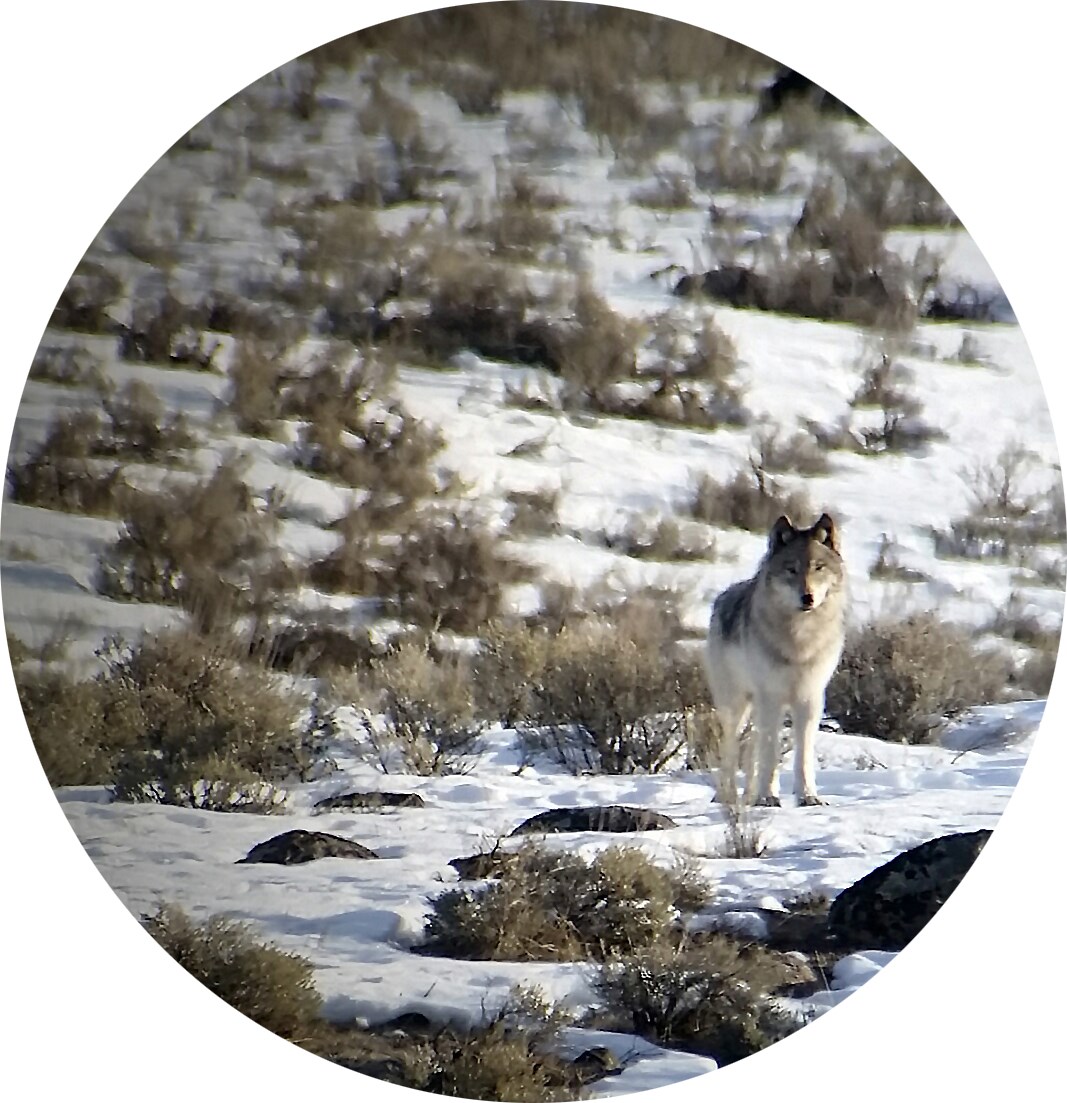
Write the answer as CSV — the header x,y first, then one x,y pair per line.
x,y
804,566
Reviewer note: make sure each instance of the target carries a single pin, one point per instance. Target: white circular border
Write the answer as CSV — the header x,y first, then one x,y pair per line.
x,y
93,93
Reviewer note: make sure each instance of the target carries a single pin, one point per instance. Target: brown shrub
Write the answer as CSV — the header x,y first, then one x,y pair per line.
x,y
891,190
711,998
174,720
69,469
610,697
670,192
135,427
614,46
273,988
1011,510
751,500
596,348
1034,674
18,650
359,564
478,304
713,359
407,163
356,434
73,484
475,90
350,268
684,378
84,304
515,223
887,566
509,1055
740,160
1014,621
317,646
203,731
509,661
501,1062
884,388
534,512
207,546
612,111
1033,671
435,567
799,454
339,385
254,395
836,267
426,724
75,740
389,452
552,906
449,570
66,366
662,539
898,679
165,330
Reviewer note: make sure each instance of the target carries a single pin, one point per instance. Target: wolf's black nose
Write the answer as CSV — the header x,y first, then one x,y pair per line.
x,y
807,600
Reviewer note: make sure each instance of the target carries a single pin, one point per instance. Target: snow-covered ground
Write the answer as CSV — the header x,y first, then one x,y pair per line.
x,y
356,923
358,920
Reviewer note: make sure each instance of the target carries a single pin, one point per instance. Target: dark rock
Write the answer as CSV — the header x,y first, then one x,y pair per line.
x,y
789,85
802,927
294,847
410,1022
605,817
391,1070
313,649
479,866
594,1064
965,303
369,801
733,284
888,907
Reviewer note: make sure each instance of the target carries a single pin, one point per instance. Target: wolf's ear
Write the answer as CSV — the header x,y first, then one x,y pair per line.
x,y
825,531
781,533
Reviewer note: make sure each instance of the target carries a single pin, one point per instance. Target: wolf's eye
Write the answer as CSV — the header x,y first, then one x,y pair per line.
x,y
820,566
791,569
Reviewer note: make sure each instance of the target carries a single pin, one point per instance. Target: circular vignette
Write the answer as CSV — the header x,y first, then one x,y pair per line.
x,y
997,245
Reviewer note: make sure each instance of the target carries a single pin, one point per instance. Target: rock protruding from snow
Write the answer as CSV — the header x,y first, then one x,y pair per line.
x,y
294,847
369,802
733,284
888,907
492,863
597,817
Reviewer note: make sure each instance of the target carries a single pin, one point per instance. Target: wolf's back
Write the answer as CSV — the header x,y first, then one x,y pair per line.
x,y
732,608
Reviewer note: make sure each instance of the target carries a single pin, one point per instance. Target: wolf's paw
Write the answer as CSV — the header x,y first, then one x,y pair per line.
x,y
810,800
767,802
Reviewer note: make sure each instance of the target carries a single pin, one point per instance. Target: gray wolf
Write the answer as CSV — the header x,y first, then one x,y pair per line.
x,y
773,642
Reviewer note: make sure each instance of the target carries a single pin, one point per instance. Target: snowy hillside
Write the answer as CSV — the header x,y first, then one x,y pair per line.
x,y
255,203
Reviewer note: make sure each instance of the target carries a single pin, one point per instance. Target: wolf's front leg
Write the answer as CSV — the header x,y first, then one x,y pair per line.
x,y
805,727
732,723
767,722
